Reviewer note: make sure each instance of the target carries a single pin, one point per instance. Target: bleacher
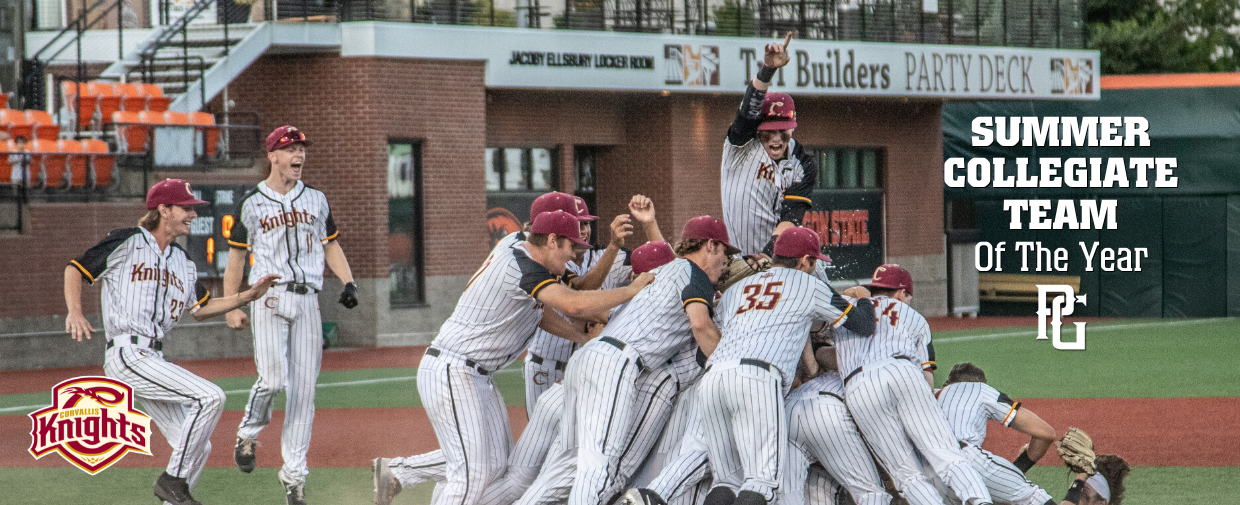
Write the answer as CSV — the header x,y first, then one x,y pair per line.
x,y
103,121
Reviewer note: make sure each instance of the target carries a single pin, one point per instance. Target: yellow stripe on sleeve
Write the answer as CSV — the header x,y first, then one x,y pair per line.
x,y
83,270
841,318
534,292
202,301
797,198
239,244
1011,414
332,237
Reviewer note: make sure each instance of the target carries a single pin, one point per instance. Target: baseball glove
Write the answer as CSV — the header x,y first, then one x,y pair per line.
x,y
1077,451
739,268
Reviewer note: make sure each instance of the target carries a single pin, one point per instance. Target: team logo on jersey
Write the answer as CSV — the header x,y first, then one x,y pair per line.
x,y
92,423
165,277
1064,301
540,378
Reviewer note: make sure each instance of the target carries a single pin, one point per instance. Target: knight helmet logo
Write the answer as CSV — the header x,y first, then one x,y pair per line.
x,y
92,423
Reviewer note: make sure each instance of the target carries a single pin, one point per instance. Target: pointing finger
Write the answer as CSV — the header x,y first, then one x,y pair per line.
x,y
788,39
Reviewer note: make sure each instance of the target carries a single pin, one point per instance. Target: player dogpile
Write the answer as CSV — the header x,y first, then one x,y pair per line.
x,y
721,370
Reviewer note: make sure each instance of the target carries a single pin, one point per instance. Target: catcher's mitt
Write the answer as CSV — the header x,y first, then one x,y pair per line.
x,y
739,268
1077,451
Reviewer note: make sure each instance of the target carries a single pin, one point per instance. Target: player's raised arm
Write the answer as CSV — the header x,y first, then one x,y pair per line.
x,y
749,114
621,228
641,208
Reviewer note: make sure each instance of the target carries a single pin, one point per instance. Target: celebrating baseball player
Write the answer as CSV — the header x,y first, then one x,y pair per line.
x,y
288,227
968,402
766,323
766,178
491,326
148,283
887,385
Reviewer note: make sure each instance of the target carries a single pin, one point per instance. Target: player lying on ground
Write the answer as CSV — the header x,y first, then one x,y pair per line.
x,y
490,328
148,283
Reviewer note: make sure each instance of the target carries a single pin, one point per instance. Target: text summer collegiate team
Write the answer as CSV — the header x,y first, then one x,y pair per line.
x,y
723,369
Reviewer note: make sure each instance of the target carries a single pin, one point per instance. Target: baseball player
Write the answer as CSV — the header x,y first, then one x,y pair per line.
x,y
887,380
1105,487
491,326
766,323
820,429
288,227
766,178
602,377
148,284
968,402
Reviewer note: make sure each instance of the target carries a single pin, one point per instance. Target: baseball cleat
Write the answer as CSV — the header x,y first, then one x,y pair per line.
x,y
173,490
387,486
244,455
294,491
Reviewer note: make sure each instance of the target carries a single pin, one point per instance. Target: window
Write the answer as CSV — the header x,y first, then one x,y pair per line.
x,y
406,268
849,167
520,169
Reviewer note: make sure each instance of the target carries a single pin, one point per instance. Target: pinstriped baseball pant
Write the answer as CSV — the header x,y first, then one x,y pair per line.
x,y
821,429
686,468
538,379
601,385
896,411
1005,482
288,350
746,429
184,406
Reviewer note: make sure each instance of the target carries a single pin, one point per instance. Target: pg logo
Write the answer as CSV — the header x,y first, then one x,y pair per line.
x,y
1062,304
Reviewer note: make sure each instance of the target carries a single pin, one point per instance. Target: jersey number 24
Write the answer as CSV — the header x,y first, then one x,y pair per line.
x,y
761,296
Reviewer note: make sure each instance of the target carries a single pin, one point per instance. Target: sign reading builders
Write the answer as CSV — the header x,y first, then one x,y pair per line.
x,y
526,58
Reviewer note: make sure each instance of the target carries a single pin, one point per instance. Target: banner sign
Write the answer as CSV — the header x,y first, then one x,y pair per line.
x,y
525,58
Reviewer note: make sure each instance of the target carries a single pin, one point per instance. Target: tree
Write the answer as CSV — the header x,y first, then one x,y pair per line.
x,y
1174,36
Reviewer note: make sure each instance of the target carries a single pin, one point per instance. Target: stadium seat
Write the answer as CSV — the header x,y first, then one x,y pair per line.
x,y
77,160
47,164
132,98
101,162
6,170
14,122
89,102
156,100
4,99
131,131
42,124
109,101
176,118
211,132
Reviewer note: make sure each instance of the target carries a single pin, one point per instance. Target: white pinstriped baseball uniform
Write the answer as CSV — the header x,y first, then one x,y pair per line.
x,y
286,234
968,406
491,326
758,192
145,293
766,321
820,429
602,376
548,354
894,407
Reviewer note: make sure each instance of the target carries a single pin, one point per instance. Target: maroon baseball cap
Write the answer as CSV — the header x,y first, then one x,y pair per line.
x,y
583,210
285,136
892,276
778,112
799,241
560,223
555,201
171,192
710,228
650,256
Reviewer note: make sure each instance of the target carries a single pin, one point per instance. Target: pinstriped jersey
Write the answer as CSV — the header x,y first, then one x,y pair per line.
x,y
145,290
759,192
549,346
688,364
496,315
828,382
968,405
654,322
285,233
768,315
899,332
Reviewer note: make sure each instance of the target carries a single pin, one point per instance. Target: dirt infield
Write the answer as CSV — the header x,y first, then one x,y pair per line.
x,y
1136,429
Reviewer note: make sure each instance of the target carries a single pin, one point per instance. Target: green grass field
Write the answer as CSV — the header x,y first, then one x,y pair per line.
x,y
1136,358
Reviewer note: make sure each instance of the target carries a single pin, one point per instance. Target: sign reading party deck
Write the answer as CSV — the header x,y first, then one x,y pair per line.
x,y
566,59
92,423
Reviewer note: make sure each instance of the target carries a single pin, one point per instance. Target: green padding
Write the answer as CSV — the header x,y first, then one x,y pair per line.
x,y
1233,256
1134,294
1194,255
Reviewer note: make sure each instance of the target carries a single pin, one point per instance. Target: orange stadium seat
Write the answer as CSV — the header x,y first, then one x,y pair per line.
x,y
6,170
109,101
101,161
76,159
132,98
131,131
156,100
171,117
210,131
47,160
89,102
14,122
44,127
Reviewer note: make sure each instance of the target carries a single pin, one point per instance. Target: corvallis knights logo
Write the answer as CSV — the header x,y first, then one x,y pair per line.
x,y
92,423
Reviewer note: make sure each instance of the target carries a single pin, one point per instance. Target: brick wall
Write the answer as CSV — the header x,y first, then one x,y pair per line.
x,y
32,265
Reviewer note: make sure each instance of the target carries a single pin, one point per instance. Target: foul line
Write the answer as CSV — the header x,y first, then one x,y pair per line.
x,y
1091,328
32,408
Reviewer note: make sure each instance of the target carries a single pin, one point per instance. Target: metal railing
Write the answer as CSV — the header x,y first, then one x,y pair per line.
x,y
1011,23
